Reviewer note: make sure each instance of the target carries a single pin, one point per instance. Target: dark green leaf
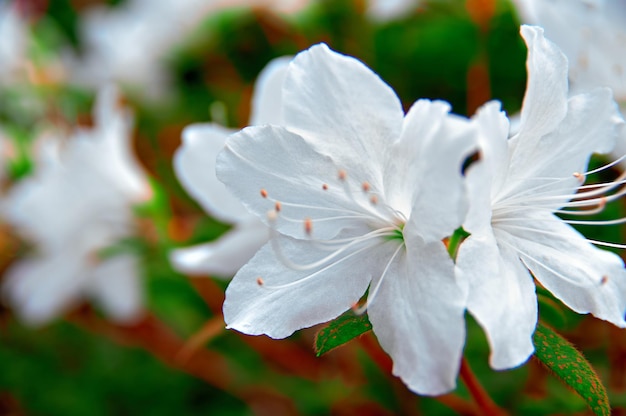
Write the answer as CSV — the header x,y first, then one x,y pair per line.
x,y
343,329
571,367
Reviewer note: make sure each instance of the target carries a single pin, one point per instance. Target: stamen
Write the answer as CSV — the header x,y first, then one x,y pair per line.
x,y
277,206
308,226
325,187
259,281
541,264
342,175
581,178
372,295
604,280
263,193
544,232
374,200
365,186
312,275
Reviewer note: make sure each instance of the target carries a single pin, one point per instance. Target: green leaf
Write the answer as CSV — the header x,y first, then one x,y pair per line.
x,y
343,329
571,367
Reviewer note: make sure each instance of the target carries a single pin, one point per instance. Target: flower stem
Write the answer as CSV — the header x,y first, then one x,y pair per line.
x,y
481,397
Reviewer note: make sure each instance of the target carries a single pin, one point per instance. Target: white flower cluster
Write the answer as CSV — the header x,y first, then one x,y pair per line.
x,y
359,199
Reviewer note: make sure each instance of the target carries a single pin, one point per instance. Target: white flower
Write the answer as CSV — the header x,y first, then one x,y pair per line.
x,y
194,163
77,203
516,190
359,195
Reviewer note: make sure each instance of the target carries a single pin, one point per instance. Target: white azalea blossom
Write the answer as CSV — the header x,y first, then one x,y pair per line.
x,y
194,163
517,189
359,195
77,203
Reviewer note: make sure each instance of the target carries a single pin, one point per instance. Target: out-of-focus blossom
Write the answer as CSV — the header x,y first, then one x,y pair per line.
x,y
385,10
357,195
515,191
194,164
591,33
129,43
77,203
13,42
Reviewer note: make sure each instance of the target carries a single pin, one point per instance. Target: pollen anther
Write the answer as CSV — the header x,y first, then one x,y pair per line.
x,y
308,226
365,186
277,206
374,199
579,176
604,280
259,281
325,187
342,175
263,193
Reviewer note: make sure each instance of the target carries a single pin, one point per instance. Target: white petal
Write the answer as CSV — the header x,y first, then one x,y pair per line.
x,y
225,256
340,106
293,172
427,158
116,284
267,98
501,298
418,318
585,278
313,297
39,289
591,125
545,102
194,163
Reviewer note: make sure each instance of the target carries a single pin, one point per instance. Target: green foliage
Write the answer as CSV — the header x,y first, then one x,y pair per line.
x,y
571,367
343,329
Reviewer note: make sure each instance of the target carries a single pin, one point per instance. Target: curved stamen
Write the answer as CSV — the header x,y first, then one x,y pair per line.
x,y
546,267
556,234
314,274
304,267
372,295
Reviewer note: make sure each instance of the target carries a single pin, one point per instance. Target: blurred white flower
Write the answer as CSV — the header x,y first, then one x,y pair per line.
x,y
516,190
77,203
359,195
194,163
129,43
385,10
592,34
13,42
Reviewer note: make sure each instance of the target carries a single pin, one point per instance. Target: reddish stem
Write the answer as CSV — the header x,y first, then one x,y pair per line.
x,y
481,397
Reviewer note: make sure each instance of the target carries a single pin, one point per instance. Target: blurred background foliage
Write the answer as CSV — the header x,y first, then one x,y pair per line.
x,y
460,51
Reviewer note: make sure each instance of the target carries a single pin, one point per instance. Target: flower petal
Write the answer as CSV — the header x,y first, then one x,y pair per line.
x,y
418,318
501,298
591,125
545,102
115,283
288,299
259,165
225,256
41,288
342,108
440,142
585,278
194,163
267,98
